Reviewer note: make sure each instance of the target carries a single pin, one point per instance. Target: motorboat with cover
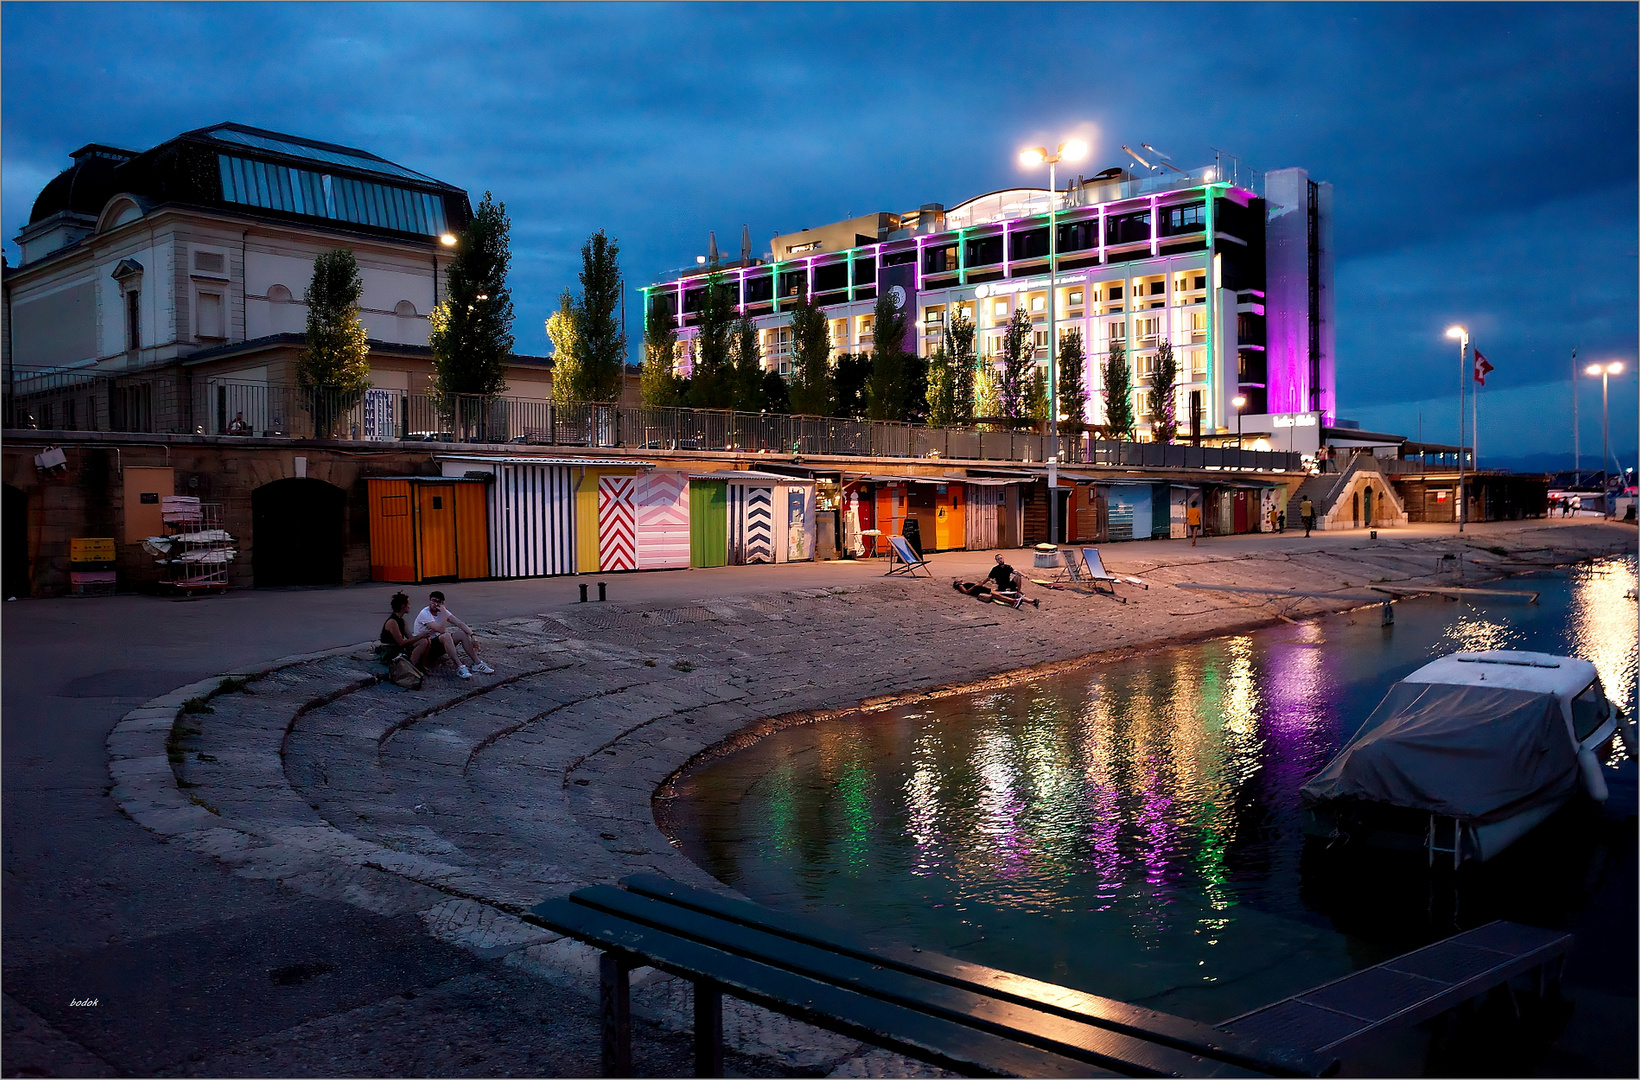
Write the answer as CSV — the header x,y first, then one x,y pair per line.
x,y
1467,754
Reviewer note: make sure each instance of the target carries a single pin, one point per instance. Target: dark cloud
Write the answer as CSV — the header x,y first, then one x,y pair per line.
x,y
1483,156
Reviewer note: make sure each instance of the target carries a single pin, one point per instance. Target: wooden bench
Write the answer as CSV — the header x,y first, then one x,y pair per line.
x,y
1338,1016
970,1019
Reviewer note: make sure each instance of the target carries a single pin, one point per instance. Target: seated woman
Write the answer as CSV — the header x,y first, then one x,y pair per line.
x,y
396,639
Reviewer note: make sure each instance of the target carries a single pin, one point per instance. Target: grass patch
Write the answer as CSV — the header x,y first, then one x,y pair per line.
x,y
203,805
233,685
196,705
202,756
1494,549
682,665
180,733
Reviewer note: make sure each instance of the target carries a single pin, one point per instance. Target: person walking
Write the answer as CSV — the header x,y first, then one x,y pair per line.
x,y
1193,521
1306,514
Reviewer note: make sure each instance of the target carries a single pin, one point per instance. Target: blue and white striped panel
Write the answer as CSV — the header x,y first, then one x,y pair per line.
x,y
532,521
737,524
759,527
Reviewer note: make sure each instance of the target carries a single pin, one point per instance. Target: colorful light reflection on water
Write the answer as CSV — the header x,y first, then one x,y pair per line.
x,y
1131,829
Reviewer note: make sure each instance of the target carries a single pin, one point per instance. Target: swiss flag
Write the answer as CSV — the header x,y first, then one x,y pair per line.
x,y
1481,368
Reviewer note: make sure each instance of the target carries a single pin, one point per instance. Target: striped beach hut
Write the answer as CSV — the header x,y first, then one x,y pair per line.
x,y
735,520
661,519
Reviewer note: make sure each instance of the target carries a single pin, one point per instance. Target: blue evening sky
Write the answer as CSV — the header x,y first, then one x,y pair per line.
x,y
1483,157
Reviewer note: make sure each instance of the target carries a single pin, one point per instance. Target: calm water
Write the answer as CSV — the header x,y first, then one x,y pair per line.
x,y
1133,829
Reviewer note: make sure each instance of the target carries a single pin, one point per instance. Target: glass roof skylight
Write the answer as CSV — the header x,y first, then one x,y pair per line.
x,y
346,159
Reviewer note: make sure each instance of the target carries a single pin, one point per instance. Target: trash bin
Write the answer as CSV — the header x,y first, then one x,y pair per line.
x,y
913,535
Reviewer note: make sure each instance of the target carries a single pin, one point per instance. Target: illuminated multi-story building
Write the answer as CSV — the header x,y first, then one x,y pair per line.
x,y
1233,270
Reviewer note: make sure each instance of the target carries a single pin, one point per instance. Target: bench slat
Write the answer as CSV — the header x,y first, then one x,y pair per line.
x,y
1056,1033
942,1042
1117,1016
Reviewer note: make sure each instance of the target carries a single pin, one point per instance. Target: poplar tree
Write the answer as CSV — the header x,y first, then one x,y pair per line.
x,y
472,330
1036,395
888,386
941,390
1013,383
748,367
334,363
987,392
849,379
659,385
1163,399
959,341
812,390
1073,388
1118,394
711,385
603,345
568,350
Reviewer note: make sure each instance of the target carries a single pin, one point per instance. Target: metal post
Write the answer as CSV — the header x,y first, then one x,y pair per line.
x,y
1463,351
708,1029
615,1004
1577,458
1605,446
1053,342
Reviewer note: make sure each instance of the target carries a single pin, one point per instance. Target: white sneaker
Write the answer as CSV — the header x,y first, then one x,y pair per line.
x,y
462,672
482,668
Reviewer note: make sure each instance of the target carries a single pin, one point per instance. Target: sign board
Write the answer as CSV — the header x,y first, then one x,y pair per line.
x,y
85,549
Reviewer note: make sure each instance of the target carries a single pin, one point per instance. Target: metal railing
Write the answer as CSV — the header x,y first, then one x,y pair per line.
x,y
235,407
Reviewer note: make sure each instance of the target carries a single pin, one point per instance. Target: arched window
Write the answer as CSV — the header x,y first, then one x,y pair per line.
x,y
278,294
405,309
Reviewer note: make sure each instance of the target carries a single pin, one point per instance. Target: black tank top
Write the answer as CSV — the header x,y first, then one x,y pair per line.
x,y
387,639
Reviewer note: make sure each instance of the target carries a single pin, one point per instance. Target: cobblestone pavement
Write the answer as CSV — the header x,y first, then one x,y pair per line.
x,y
466,802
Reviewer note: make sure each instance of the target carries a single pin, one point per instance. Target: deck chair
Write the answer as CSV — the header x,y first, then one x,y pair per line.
x,y
899,550
1097,575
1070,575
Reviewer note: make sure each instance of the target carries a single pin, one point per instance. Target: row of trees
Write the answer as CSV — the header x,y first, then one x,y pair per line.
x,y
471,334
471,339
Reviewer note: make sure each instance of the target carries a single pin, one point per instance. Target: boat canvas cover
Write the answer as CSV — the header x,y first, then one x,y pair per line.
x,y
1476,753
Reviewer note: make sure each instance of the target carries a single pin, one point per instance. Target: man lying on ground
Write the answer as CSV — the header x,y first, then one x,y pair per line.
x,y
1001,586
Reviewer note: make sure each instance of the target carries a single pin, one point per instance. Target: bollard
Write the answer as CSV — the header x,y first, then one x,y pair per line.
x,y
601,596
1374,533
1387,614
583,592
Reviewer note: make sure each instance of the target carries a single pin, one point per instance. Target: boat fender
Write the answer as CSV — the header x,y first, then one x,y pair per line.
x,y
1593,781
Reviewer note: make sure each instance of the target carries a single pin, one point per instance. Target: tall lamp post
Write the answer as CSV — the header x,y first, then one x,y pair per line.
x,y
449,241
1605,371
1462,334
1069,150
1238,401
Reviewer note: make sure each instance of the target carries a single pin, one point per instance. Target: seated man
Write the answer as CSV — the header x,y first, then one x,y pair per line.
x,y
1001,586
449,632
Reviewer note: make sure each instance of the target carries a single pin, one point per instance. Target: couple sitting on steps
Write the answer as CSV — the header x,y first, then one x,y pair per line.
x,y
438,633
1001,586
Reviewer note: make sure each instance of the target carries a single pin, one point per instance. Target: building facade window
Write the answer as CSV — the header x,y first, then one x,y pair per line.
x,y
208,316
133,320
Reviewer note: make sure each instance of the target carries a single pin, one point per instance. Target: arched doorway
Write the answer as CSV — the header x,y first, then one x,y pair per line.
x,y
1355,509
298,533
14,546
1367,501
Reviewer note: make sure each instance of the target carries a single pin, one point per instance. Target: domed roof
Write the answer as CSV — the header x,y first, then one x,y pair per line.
x,y
83,187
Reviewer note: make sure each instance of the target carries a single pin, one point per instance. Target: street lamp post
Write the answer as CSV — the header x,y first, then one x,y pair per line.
x,y
1605,371
1462,334
1238,401
1069,150
448,240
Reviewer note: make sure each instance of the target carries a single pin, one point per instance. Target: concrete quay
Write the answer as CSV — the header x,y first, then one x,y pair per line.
x,y
447,811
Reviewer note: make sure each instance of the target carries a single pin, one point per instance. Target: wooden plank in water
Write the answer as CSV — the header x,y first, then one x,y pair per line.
x,y
1303,593
1457,590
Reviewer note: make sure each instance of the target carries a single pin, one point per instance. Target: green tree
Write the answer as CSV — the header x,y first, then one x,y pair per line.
x,y
660,385
849,379
1073,387
603,345
1118,394
748,368
711,382
1036,395
888,388
334,363
1163,397
959,341
776,392
568,350
941,390
916,388
472,330
1013,382
813,391
987,392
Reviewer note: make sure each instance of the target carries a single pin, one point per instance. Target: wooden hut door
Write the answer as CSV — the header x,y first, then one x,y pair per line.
x,y
662,520
759,525
708,522
617,529
436,521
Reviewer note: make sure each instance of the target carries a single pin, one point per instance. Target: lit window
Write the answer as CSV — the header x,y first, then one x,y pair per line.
x,y
1038,304
1074,298
1000,308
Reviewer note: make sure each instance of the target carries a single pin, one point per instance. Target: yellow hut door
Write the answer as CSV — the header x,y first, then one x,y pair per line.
x,y
436,521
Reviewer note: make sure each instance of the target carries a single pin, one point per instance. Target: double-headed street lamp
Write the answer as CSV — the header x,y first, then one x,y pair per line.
x,y
1462,334
1605,371
1069,150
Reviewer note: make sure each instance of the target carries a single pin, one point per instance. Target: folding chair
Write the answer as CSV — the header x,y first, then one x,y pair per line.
x,y
1097,575
899,549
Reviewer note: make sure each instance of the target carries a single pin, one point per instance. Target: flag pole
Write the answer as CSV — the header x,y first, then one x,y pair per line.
x,y
1475,414
1577,461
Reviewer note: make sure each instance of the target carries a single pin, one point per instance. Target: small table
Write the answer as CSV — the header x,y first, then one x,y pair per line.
x,y
873,534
